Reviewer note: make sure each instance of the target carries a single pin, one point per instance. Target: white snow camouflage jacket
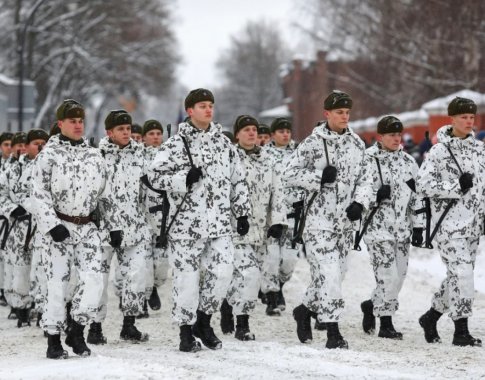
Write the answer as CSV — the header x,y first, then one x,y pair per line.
x,y
125,167
346,153
438,179
266,195
222,192
71,180
11,185
395,217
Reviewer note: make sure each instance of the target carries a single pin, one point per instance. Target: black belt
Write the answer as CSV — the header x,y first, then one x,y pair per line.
x,y
74,219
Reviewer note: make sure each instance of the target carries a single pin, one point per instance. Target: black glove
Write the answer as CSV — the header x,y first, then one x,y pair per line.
x,y
466,182
417,238
276,230
19,211
242,225
115,238
354,211
412,184
59,233
329,175
193,176
383,193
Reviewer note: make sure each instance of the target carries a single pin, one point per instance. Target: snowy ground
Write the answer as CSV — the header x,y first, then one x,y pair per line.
x,y
277,353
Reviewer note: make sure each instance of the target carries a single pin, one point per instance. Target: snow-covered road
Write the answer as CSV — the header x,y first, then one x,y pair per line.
x,y
276,353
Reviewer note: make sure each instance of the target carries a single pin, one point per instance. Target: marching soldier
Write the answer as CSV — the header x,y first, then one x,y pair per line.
x,y
390,183
267,203
328,164
452,178
202,174
69,179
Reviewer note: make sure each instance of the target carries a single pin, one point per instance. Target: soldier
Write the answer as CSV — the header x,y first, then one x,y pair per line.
x,y
6,147
136,132
157,259
11,174
282,253
452,177
264,134
390,175
15,200
202,174
328,164
267,203
69,179
125,162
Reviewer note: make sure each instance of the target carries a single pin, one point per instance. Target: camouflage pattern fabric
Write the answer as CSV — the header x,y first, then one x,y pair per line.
x,y
202,270
242,294
389,260
70,179
220,194
456,293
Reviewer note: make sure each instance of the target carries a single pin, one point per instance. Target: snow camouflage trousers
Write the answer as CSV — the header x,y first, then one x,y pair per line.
x,y
389,260
17,281
202,270
279,262
246,278
132,268
456,293
61,260
157,265
327,255
38,279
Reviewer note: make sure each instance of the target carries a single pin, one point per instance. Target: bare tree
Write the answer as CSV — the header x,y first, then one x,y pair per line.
x,y
419,48
250,71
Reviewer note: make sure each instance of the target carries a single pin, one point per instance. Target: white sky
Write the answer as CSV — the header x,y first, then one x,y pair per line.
x,y
204,28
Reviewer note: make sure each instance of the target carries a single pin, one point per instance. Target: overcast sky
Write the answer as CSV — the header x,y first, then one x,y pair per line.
x,y
204,28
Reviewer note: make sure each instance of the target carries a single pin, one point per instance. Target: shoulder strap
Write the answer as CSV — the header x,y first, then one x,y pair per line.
x,y
186,144
326,151
379,169
454,158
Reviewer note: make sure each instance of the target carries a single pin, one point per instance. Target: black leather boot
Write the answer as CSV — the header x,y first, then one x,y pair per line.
x,y
54,347
462,336
387,330
75,339
368,321
130,332
227,318
203,330
334,338
187,341
428,321
303,316
242,328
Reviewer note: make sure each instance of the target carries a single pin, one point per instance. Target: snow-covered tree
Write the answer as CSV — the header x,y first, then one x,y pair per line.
x,y
80,49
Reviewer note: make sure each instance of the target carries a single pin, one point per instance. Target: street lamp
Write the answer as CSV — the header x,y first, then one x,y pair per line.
x,y
20,50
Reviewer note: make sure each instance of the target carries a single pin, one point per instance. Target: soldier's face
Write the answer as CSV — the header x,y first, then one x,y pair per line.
x,y
338,119
463,124
33,147
120,135
247,136
18,149
264,139
390,141
6,148
137,137
281,137
153,138
72,128
201,113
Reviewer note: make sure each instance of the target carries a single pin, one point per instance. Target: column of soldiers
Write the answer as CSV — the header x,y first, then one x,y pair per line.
x,y
230,220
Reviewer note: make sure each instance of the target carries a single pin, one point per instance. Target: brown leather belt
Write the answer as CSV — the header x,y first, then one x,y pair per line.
x,y
74,219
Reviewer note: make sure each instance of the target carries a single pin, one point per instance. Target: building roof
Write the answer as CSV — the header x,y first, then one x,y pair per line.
x,y
440,105
280,111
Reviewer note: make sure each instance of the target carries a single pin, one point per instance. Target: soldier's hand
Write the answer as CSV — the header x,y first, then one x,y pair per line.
x,y
275,231
329,175
59,233
466,182
193,176
115,238
383,193
354,211
417,237
19,211
242,225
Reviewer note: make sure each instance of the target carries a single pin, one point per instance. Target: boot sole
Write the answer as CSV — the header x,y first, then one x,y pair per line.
x,y
144,338
64,355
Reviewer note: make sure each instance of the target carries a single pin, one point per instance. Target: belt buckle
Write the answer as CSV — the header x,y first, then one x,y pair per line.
x,y
77,220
